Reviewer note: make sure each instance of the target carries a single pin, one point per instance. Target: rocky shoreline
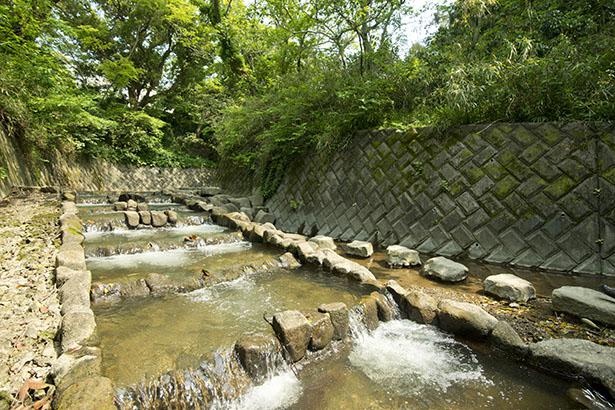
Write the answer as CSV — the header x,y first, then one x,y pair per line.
x,y
29,305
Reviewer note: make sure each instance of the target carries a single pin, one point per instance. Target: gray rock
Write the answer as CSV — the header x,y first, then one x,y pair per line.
x,y
132,289
399,256
576,357
171,217
584,303
353,270
361,249
257,354
132,219
445,270
304,249
338,312
507,339
241,202
120,206
159,219
288,261
210,191
229,207
64,274
71,367
78,329
322,330
75,294
465,319
419,307
131,205
105,292
510,287
69,207
71,258
249,212
294,331
145,217
324,242
264,217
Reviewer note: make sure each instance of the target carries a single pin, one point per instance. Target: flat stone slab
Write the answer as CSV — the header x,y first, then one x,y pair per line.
x,y
577,357
399,256
445,270
510,287
361,249
584,303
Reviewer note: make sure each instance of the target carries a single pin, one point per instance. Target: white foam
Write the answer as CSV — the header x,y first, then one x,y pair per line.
x,y
278,392
135,233
408,357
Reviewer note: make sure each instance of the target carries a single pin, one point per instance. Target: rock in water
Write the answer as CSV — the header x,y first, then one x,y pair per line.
x,y
445,270
361,249
584,302
294,331
400,256
288,261
158,219
257,353
324,242
322,330
132,219
577,357
465,319
510,287
171,216
339,318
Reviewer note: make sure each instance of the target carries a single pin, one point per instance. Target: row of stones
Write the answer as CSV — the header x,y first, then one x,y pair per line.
x,y
574,358
77,372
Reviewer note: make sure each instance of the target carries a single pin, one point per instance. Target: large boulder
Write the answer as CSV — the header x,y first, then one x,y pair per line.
x,y
353,270
142,206
294,332
361,249
385,310
506,338
264,217
445,270
584,303
400,257
324,242
465,319
132,219
338,312
576,357
510,287
64,274
322,330
159,219
257,354
420,307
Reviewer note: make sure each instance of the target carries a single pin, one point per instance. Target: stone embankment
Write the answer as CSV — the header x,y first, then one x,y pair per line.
x,y
29,307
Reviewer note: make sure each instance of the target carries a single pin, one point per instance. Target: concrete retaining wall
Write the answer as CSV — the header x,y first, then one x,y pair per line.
x,y
532,195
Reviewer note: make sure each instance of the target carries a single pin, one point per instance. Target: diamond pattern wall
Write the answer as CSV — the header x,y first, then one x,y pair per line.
x,y
530,195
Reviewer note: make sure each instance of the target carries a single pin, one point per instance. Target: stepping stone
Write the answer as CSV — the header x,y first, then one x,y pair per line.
x,y
400,256
584,303
358,248
445,270
510,287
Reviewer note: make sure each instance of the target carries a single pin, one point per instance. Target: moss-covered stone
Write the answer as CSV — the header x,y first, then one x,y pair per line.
x,y
559,187
504,187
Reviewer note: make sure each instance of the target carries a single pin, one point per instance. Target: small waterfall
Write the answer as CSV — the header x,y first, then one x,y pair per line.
x,y
220,384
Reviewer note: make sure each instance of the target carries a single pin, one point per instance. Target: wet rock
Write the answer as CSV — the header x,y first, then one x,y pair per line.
x,y
419,307
370,312
322,330
120,206
145,217
361,249
72,367
257,354
510,287
338,312
135,197
171,216
584,303
264,217
72,259
288,261
105,292
294,331
506,338
384,308
465,319
399,256
131,205
210,191
91,393
159,219
78,329
576,357
445,270
142,206
132,219
137,288
324,242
